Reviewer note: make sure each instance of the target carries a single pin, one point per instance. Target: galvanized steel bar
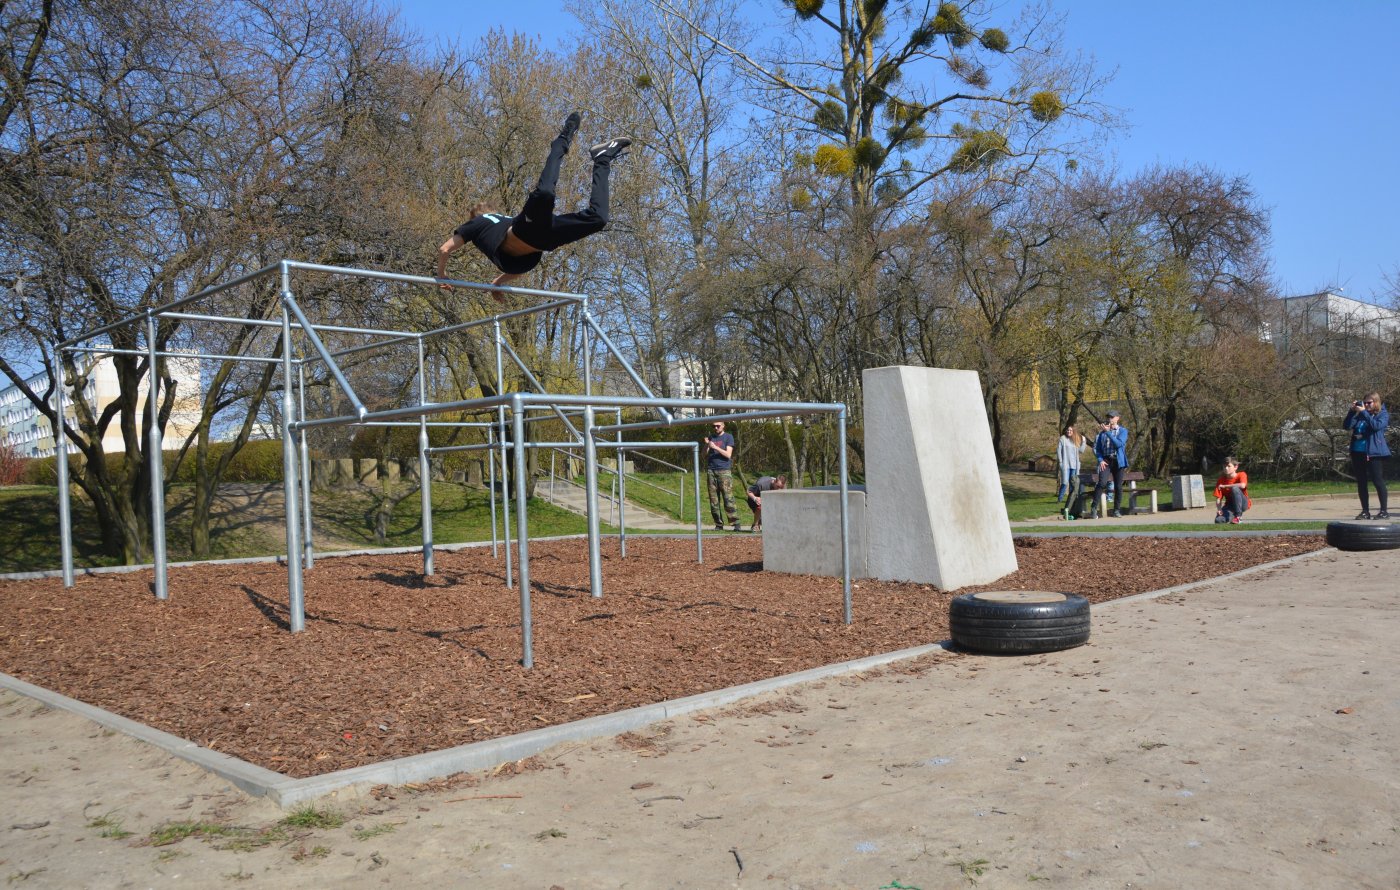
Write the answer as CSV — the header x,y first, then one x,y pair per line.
x,y
699,533
307,546
296,599
845,514
423,279
425,468
97,350
626,365
60,453
590,487
269,323
501,429
310,334
523,536
183,301
154,444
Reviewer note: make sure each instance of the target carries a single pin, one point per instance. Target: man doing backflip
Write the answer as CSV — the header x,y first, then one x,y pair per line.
x,y
514,244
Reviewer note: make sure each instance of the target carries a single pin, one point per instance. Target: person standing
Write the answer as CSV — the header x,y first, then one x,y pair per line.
x,y
1231,493
1067,458
1111,450
764,485
1368,420
719,463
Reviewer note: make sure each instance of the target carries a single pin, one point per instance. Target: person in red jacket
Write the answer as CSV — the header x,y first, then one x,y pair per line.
x,y
1231,493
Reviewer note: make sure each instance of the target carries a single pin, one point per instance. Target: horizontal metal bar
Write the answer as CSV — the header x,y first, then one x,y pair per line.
x,y
709,418
423,279
267,323
375,345
207,292
768,409
452,329
205,355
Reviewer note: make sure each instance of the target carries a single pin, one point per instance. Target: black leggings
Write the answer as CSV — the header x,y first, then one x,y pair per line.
x,y
1373,469
537,225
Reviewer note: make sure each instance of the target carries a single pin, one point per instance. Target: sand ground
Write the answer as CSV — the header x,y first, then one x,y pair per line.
x,y
1240,734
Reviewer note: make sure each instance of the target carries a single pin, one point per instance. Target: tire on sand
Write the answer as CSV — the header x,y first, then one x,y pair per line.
x,y
1021,622
1363,535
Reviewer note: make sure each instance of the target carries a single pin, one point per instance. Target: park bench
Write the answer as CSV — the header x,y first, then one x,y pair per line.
x,y
1130,480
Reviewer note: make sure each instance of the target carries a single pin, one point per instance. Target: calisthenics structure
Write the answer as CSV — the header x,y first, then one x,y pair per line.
x,y
299,336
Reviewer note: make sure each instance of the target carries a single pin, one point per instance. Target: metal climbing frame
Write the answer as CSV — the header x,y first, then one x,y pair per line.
x,y
519,408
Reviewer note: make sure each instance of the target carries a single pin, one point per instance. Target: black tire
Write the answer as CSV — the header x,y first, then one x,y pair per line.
x,y
1363,535
1023,622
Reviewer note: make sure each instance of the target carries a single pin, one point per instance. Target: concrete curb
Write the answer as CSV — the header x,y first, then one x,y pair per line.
x,y
288,792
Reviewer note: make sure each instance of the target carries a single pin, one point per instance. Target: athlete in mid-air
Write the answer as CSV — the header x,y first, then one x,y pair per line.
x,y
514,244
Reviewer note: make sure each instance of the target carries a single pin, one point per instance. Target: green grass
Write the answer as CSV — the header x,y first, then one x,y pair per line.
x,y
311,816
29,517
29,525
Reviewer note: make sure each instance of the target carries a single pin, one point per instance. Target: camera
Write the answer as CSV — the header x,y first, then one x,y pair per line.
x,y
1357,403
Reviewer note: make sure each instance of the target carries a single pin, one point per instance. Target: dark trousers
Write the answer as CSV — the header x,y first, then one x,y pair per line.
x,y
1374,470
1235,503
1111,472
539,227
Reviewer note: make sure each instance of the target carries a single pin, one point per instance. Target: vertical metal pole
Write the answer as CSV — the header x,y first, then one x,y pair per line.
x,y
517,417
845,513
424,466
590,487
699,536
491,490
501,426
307,545
154,443
587,351
296,604
621,493
60,452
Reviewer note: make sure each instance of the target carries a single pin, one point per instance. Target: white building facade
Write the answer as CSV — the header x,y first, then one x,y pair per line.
x,y
28,432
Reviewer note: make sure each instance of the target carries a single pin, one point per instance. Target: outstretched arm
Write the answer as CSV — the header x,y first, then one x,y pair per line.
x,y
449,247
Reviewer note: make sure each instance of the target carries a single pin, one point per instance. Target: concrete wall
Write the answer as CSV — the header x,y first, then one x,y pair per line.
x,y
802,532
935,512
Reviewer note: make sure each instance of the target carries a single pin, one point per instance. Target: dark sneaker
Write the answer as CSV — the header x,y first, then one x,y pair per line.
x,y
570,127
1363,515
1116,514
1382,515
610,150
738,527
719,528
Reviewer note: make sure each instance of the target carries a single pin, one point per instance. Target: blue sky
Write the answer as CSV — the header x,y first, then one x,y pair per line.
x,y
1303,98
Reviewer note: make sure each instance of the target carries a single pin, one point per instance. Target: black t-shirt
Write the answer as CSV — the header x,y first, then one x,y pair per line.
x,y
488,232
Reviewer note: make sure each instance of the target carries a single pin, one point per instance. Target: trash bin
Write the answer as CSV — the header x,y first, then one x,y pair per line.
x,y
1188,492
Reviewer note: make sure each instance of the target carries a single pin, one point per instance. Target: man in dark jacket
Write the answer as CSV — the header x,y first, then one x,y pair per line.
x,y
1111,449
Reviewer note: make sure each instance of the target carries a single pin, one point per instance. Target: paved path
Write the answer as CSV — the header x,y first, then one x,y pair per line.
x,y
1239,734
1316,508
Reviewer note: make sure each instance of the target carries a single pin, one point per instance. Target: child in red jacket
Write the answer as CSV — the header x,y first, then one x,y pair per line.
x,y
1231,493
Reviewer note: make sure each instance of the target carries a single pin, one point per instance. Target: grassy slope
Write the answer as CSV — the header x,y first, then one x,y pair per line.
x,y
29,520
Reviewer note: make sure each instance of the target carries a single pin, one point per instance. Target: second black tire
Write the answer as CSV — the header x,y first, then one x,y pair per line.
x,y
1363,535
1019,621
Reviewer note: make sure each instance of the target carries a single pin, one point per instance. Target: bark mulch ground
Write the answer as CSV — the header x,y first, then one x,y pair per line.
x,y
393,664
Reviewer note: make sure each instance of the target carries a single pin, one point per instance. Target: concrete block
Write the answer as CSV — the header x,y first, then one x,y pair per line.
x,y
802,532
1188,492
344,474
935,513
321,471
389,471
366,471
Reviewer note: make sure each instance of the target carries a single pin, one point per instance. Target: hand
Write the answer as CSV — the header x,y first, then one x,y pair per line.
x,y
443,285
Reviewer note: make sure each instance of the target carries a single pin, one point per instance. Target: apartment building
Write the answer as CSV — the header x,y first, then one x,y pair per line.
x,y
27,431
